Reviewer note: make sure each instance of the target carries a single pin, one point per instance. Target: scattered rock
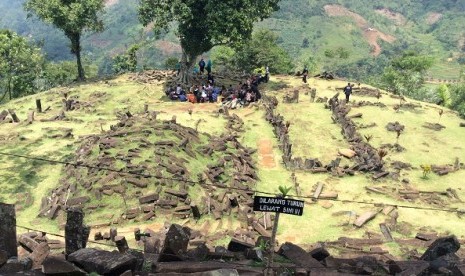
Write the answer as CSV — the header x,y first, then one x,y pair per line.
x,y
102,262
58,266
348,153
175,245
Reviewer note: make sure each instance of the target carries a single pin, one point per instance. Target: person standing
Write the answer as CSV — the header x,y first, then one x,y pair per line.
x,y
348,91
209,67
305,74
178,68
267,73
202,66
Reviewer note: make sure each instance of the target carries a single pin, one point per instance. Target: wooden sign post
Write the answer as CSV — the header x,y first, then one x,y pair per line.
x,y
277,205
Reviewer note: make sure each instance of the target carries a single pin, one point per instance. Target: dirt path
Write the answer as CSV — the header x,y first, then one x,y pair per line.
x,y
265,153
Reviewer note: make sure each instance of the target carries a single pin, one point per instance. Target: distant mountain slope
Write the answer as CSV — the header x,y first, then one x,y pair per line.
x,y
360,29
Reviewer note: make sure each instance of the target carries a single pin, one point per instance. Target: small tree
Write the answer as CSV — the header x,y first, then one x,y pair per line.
x,y
73,17
444,96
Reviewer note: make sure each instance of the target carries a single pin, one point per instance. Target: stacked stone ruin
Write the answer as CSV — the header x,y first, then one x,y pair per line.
x,y
178,250
227,184
367,158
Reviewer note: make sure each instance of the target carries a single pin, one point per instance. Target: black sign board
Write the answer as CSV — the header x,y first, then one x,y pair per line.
x,y
278,205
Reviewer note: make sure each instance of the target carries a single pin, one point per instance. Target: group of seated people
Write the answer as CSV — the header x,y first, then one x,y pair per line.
x,y
244,93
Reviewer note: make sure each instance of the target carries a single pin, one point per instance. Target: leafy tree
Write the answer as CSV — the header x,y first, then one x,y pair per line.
x,y
126,62
309,61
20,65
73,17
203,24
262,50
225,58
457,92
405,74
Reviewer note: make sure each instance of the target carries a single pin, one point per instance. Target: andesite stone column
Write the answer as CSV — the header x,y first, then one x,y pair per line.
x,y
76,233
8,230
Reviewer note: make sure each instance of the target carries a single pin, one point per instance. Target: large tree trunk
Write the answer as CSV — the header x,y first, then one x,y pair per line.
x,y
187,64
76,50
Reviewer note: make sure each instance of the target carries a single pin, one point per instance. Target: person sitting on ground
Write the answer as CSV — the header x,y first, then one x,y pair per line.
x,y
173,96
204,95
197,93
168,90
348,91
249,96
178,89
210,79
231,89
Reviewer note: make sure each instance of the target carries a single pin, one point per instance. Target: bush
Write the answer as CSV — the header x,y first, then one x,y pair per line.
x,y
170,63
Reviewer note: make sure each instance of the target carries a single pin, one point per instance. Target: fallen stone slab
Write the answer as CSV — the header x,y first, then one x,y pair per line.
x,y
181,193
386,232
319,253
360,221
441,247
148,198
102,262
318,190
239,245
77,200
140,183
39,254
380,175
298,256
328,195
58,266
261,230
408,268
28,243
195,267
347,153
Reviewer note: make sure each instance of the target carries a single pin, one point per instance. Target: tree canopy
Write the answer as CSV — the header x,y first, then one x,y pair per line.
x,y
203,24
405,74
20,65
73,17
263,50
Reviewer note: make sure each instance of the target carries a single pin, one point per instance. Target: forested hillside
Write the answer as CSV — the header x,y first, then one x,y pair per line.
x,y
351,37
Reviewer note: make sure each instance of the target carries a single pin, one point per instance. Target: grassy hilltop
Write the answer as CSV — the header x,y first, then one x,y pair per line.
x,y
312,133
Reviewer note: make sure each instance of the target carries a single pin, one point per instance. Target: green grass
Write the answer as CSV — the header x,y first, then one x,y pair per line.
x,y
312,133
